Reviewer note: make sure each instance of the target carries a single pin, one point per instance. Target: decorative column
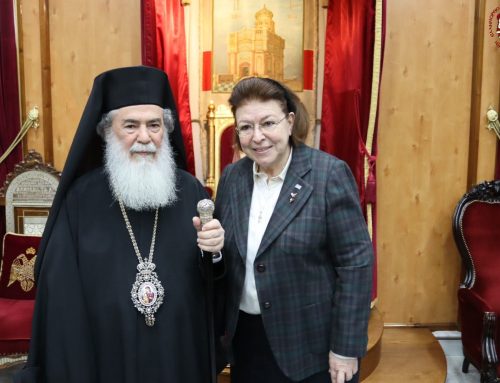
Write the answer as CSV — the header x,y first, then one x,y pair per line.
x,y
210,180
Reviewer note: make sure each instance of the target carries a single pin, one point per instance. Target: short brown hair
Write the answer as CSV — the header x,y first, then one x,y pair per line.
x,y
265,89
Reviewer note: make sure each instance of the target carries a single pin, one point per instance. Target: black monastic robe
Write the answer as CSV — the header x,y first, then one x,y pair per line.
x,y
86,328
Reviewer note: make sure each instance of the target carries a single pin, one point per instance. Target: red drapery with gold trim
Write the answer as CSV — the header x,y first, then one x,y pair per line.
x,y
164,47
347,93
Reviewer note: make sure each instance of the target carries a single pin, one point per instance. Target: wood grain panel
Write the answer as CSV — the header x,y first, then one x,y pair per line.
x,y
422,162
489,96
46,107
29,54
87,38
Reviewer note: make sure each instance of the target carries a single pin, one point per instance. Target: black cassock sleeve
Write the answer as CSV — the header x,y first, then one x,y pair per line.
x,y
215,284
61,348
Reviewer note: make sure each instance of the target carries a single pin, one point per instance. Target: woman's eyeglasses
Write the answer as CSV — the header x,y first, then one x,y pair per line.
x,y
246,129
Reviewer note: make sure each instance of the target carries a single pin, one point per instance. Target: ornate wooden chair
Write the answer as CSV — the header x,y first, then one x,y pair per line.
x,y
27,196
476,229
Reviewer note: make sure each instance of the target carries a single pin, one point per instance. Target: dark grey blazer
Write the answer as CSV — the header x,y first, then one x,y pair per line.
x,y
313,269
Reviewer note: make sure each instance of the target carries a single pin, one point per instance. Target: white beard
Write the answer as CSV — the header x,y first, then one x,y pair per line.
x,y
142,183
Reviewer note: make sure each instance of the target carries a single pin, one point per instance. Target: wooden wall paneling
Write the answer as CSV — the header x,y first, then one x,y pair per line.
x,y
422,161
30,69
20,66
87,38
487,88
480,6
46,107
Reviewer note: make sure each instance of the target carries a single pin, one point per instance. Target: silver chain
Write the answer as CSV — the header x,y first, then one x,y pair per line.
x,y
132,237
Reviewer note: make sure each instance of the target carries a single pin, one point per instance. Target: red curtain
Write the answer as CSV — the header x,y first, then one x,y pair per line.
x,y
164,47
9,89
347,92
497,167
9,95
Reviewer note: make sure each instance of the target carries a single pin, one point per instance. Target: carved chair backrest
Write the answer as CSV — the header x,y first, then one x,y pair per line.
x,y
476,228
28,193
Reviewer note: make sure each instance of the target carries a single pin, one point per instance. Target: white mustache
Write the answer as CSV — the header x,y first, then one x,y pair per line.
x,y
143,148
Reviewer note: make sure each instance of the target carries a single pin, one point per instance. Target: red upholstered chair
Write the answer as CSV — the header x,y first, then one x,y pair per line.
x,y
476,229
27,196
17,292
229,151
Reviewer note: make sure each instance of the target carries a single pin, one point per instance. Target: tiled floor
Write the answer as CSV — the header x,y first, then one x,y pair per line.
x,y
452,347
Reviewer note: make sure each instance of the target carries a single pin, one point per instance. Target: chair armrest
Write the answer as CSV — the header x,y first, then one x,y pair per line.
x,y
489,361
471,311
478,326
472,298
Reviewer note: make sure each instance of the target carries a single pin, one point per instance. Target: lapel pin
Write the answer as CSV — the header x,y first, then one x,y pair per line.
x,y
293,194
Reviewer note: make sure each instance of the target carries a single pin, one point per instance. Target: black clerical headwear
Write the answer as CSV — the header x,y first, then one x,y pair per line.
x,y
113,89
134,86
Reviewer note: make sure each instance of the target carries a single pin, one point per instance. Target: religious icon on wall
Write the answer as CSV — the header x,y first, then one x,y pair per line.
x,y
257,38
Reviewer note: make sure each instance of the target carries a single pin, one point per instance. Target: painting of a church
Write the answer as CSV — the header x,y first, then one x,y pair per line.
x,y
258,50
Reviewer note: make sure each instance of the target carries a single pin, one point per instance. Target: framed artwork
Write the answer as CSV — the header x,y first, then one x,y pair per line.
x,y
257,38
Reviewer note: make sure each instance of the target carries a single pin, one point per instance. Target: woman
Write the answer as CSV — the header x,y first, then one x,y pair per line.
x,y
298,253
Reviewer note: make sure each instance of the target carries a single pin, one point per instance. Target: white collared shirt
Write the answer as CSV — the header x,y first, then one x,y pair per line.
x,y
264,197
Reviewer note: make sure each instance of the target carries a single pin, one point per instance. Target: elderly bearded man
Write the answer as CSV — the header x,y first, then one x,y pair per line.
x,y
123,223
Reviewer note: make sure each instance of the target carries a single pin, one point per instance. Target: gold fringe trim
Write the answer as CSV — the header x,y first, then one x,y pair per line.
x,y
377,55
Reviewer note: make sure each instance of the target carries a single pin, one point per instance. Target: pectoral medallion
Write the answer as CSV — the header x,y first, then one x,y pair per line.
x,y
147,292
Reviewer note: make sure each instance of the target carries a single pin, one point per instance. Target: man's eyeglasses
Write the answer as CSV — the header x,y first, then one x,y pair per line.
x,y
246,129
